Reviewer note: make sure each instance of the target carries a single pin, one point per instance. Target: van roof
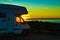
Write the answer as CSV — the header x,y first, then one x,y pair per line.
x,y
18,9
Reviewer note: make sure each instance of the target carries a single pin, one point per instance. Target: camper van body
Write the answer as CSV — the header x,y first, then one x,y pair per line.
x,y
8,22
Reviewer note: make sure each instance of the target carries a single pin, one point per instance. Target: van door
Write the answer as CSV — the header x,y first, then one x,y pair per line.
x,y
10,21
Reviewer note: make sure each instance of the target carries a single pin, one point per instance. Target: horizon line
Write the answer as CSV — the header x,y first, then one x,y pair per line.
x,y
42,18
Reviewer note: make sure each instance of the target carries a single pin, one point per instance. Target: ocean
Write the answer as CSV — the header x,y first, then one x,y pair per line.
x,y
46,20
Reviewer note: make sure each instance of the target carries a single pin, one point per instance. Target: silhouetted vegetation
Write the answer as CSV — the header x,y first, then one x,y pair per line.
x,y
41,26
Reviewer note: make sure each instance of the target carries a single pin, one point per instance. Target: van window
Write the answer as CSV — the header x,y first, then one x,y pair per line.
x,y
18,19
2,15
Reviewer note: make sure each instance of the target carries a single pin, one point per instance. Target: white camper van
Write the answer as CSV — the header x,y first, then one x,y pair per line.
x,y
8,19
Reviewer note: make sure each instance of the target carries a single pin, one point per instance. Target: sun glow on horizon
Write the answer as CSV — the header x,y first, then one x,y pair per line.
x,y
25,17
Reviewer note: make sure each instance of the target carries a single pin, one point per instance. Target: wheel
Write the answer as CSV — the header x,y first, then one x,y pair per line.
x,y
25,32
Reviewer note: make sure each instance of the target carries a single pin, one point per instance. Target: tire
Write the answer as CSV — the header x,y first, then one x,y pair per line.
x,y
25,32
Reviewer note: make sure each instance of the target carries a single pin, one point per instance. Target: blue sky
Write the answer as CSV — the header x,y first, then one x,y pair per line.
x,y
33,2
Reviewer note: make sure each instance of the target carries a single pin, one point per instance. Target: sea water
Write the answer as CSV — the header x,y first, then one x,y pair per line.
x,y
50,20
46,20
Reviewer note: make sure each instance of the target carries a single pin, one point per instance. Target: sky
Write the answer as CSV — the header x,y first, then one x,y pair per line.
x,y
38,8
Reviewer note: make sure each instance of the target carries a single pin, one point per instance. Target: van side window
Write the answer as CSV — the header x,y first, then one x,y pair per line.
x,y
2,15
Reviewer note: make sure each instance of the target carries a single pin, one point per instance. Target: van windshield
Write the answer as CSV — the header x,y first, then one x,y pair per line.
x,y
19,19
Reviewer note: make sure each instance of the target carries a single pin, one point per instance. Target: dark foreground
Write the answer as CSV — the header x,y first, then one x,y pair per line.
x,y
33,36
39,31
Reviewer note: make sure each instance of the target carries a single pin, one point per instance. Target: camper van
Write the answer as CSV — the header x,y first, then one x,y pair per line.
x,y
9,16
